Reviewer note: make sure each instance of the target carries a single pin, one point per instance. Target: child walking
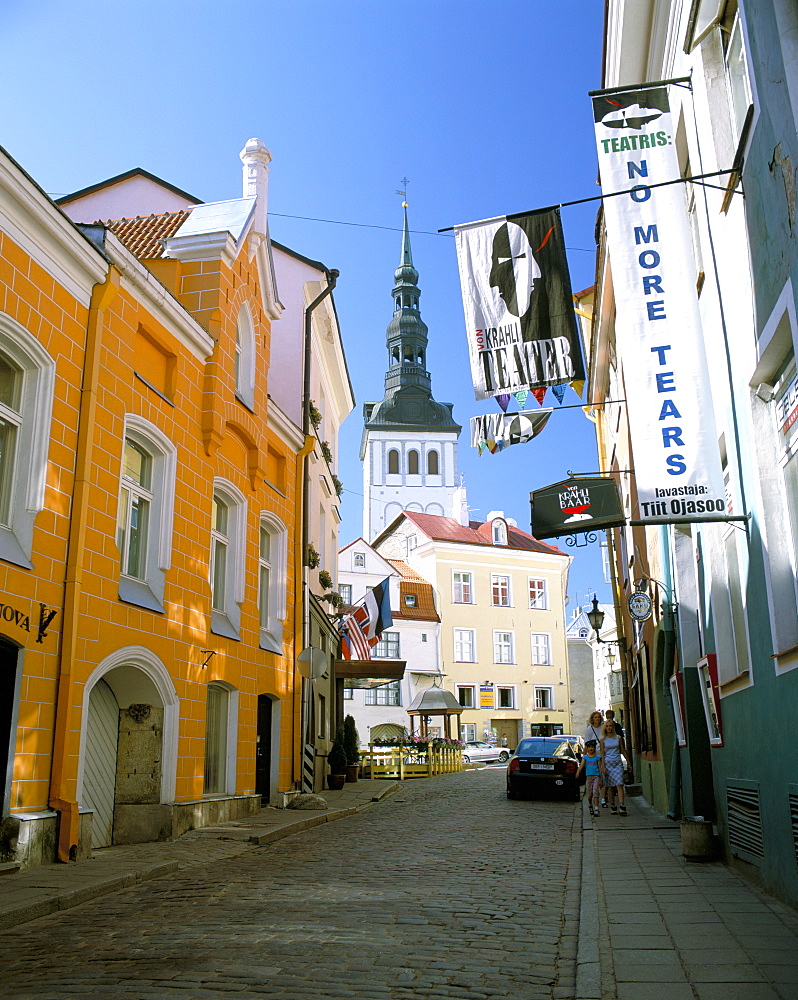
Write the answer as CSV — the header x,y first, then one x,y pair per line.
x,y
591,765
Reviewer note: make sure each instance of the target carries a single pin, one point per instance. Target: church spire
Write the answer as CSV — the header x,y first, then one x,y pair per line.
x,y
406,336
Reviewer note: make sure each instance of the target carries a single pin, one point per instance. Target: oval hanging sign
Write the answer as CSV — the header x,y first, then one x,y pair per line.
x,y
640,606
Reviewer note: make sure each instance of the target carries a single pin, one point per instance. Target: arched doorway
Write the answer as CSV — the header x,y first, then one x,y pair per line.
x,y
9,699
128,748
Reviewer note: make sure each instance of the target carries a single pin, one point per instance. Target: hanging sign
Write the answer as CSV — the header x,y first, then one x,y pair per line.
x,y
640,606
486,696
657,327
496,431
576,505
518,304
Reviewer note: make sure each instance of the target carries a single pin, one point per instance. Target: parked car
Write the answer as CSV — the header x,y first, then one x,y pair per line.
x,y
544,764
481,750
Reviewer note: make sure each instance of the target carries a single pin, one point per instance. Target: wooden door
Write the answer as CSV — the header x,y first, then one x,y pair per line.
x,y
99,774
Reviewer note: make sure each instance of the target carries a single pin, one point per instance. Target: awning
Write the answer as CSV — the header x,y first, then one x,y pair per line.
x,y
369,673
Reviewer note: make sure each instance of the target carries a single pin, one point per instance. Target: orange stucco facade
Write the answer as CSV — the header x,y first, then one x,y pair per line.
x,y
147,347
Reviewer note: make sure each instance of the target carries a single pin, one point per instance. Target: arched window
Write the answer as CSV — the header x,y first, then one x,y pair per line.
x,y
499,532
272,580
245,357
228,532
393,462
412,463
433,468
408,352
395,356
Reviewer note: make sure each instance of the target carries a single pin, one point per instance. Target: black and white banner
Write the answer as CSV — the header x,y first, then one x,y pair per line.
x,y
518,304
658,325
497,431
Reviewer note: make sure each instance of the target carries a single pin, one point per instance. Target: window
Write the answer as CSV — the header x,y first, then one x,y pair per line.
x,y
466,697
145,513
737,82
244,364
360,560
503,647
388,646
272,581
468,732
544,698
412,463
433,465
505,697
385,694
583,633
540,648
228,527
411,601
27,375
219,778
345,590
393,462
499,531
461,585
537,595
423,636
412,542
500,591
464,645
349,694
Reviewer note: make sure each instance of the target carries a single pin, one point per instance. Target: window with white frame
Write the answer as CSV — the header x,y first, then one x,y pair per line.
x,y
737,79
468,732
388,646
464,645
461,588
499,531
345,590
544,698
540,649
145,513
505,697
466,695
411,600
27,376
272,580
503,647
385,694
359,560
349,694
245,357
500,590
538,598
228,535
220,740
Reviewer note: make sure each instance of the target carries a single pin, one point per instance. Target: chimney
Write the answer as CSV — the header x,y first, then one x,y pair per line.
x,y
460,505
256,159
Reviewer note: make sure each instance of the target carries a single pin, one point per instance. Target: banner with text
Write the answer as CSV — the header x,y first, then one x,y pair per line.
x,y
497,431
658,325
518,304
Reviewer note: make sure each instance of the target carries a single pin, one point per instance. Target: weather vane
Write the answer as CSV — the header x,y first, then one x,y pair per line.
x,y
403,191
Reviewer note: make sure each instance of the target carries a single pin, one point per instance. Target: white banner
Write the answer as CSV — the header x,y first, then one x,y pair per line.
x,y
658,326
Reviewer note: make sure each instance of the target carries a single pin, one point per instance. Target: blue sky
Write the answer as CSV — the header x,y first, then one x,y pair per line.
x,y
483,107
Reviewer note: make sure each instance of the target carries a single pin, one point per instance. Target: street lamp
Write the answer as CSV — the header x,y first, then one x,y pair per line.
x,y
596,618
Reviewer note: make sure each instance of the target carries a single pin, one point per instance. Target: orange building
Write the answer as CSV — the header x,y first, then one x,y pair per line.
x,y
149,496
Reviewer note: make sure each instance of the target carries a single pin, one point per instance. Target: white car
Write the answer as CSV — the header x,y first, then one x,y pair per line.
x,y
480,750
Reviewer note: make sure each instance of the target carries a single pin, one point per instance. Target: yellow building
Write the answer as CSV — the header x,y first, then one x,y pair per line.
x,y
500,594
150,498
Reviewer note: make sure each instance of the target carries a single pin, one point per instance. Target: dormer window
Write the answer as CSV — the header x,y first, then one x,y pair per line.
x,y
360,560
411,601
499,528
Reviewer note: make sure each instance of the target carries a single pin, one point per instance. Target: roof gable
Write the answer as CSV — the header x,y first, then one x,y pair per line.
x,y
447,529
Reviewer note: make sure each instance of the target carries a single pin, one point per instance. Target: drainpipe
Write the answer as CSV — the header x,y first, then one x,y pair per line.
x,y
62,783
302,569
668,654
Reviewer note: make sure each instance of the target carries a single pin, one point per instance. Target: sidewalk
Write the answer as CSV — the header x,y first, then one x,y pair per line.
x,y
36,892
656,927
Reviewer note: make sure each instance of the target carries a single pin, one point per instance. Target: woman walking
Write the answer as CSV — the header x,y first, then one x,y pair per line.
x,y
593,732
612,748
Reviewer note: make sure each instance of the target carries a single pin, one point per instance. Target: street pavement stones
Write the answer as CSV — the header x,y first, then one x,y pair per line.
x,y
443,891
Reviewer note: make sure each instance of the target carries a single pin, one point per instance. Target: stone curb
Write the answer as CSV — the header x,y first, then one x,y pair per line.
x,y
588,966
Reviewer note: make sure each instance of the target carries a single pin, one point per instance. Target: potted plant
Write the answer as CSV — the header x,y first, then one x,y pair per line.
x,y
351,748
336,761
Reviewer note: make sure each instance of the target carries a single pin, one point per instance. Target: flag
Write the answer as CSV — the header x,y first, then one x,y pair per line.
x,y
519,312
362,628
496,431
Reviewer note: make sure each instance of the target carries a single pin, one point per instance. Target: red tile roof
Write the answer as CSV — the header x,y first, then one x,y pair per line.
x,y
413,584
447,529
143,235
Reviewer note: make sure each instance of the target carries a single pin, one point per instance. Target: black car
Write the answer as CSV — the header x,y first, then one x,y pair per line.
x,y
543,763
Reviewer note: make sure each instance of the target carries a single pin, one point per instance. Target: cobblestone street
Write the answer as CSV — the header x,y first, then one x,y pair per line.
x,y
444,889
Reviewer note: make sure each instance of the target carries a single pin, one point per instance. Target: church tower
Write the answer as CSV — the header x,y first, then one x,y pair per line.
x,y
409,449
